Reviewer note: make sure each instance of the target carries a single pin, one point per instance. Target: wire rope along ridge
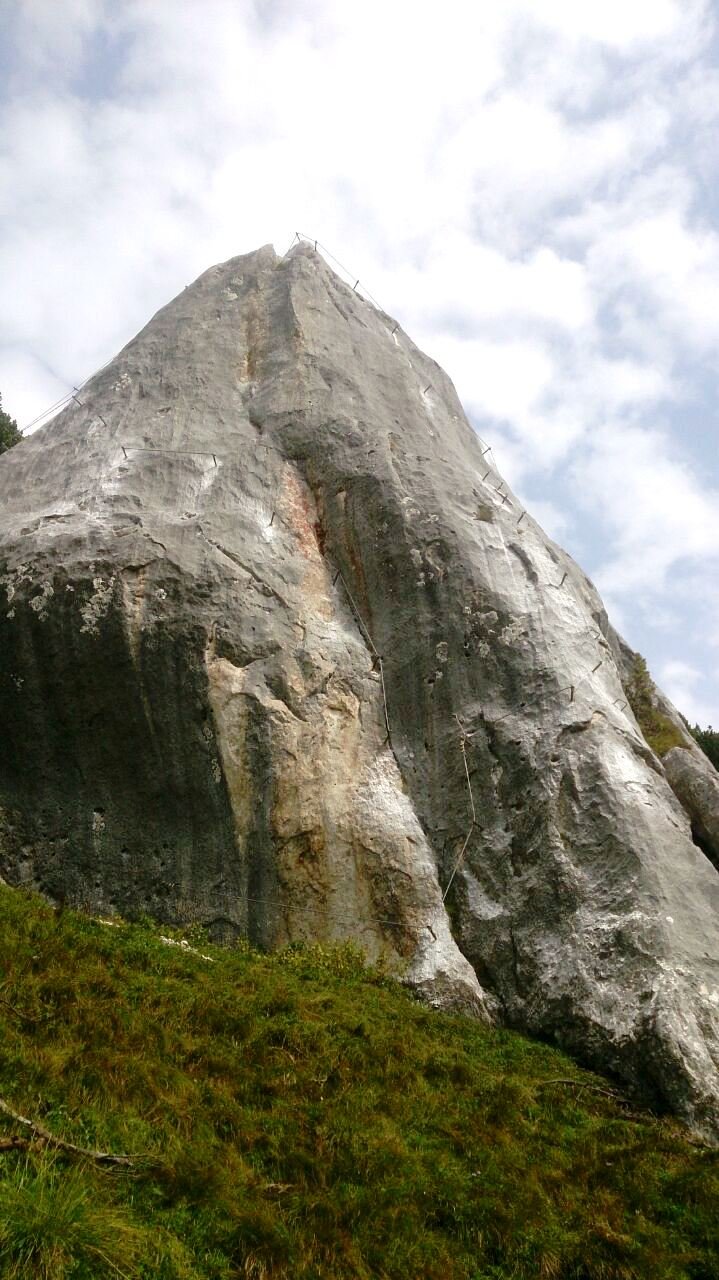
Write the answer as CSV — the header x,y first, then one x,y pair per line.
x,y
57,405
51,409
317,245
64,400
300,237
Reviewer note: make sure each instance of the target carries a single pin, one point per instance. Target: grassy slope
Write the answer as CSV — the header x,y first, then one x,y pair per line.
x,y
303,1117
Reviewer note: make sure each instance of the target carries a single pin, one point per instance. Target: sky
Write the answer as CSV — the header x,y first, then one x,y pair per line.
x,y
529,187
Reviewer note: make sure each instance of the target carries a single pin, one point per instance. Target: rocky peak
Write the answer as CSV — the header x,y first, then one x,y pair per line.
x,y
282,653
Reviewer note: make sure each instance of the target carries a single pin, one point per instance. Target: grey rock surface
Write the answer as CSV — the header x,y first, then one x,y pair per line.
x,y
267,531
695,782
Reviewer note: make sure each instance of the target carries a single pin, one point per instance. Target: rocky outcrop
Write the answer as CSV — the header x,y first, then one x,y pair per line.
x,y
282,653
695,782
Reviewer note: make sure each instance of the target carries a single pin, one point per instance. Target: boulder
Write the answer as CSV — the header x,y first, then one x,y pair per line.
x,y
695,782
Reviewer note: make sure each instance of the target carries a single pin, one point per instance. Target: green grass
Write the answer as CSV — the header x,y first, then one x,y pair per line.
x,y
300,1115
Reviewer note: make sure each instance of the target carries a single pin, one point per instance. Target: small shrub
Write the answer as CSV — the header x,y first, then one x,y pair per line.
x,y
708,740
659,731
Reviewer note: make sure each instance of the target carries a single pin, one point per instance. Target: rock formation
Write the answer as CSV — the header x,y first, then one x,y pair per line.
x,y
695,782
282,654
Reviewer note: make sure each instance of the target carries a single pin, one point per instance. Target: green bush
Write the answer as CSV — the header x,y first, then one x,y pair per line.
x,y
659,731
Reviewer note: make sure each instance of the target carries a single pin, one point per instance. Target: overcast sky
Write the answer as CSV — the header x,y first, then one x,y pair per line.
x,y
529,186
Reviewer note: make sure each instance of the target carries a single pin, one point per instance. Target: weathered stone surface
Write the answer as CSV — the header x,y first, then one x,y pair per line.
x,y
192,702
695,781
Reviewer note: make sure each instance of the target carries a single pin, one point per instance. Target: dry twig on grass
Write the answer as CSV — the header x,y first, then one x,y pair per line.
x,y
24,1017
581,1084
39,1133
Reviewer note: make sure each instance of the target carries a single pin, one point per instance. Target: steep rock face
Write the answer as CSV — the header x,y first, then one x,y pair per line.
x,y
266,537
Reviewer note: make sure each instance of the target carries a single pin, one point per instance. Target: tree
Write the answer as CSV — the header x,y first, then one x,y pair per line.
x,y
708,740
9,432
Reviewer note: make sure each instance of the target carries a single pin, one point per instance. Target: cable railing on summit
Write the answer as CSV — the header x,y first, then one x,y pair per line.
x,y
364,292
299,236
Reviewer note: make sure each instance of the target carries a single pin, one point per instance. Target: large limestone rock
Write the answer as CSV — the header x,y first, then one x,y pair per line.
x,y
695,781
267,534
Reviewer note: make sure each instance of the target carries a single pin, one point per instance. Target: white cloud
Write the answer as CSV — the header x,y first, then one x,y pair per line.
x,y
528,187
618,23
51,36
655,509
473,284
687,688
553,520
501,380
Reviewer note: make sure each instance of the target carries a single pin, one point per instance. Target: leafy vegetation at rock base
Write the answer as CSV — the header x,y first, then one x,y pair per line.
x,y
9,431
659,731
300,1115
